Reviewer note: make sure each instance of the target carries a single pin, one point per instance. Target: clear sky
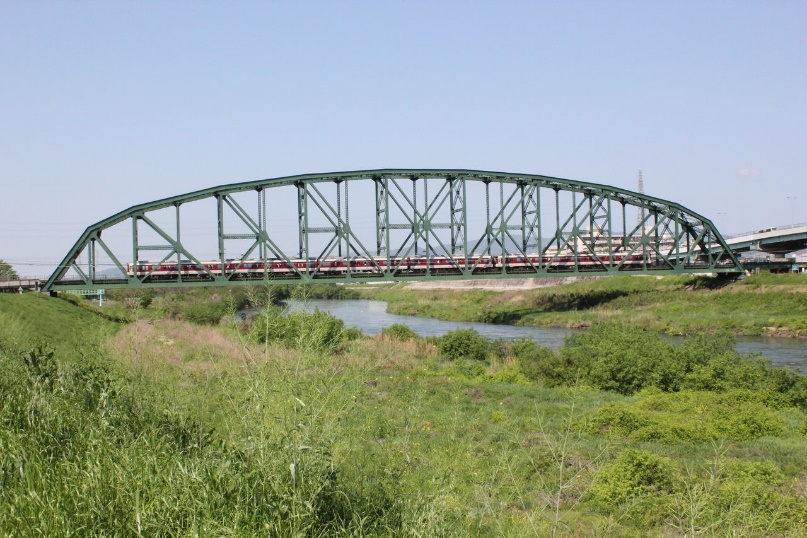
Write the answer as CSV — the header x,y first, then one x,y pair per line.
x,y
104,105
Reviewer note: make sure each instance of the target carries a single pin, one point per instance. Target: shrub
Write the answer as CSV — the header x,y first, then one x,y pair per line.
x,y
617,418
506,374
463,344
618,357
146,296
350,334
727,371
469,368
318,332
563,300
745,421
209,313
626,359
267,326
540,363
751,494
634,473
689,417
399,331
321,291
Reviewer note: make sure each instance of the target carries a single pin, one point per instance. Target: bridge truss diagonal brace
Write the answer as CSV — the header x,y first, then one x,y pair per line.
x,y
339,227
519,211
259,236
174,245
566,241
598,217
421,222
97,239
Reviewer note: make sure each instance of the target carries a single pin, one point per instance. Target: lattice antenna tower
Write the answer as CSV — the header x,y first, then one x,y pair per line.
x,y
640,213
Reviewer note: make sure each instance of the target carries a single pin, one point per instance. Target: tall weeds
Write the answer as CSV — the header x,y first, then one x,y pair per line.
x,y
177,430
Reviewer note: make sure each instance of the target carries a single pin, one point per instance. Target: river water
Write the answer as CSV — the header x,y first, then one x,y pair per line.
x,y
371,316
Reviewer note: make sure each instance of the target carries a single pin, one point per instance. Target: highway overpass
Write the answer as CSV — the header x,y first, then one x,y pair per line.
x,y
779,240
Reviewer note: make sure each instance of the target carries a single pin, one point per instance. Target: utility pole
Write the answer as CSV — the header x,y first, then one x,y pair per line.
x,y
640,214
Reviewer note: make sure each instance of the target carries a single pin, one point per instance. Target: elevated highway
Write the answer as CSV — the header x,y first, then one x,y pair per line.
x,y
15,285
778,240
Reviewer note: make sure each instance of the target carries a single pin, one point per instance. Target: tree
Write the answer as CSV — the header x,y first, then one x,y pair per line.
x,y
7,272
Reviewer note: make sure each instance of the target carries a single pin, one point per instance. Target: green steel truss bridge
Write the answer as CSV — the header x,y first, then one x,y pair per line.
x,y
392,225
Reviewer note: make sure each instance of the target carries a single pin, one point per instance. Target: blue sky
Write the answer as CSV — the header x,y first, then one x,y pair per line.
x,y
109,104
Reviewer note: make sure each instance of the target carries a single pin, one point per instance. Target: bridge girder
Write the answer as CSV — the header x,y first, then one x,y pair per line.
x,y
772,245
394,224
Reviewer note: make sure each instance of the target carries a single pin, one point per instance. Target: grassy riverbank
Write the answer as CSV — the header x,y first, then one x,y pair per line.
x,y
297,428
761,304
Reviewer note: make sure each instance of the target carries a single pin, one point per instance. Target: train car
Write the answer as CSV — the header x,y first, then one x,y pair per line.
x,y
402,265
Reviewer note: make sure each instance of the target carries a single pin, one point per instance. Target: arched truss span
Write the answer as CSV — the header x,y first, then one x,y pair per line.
x,y
392,225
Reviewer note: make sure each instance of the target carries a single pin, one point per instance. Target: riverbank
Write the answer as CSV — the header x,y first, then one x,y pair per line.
x,y
176,427
761,305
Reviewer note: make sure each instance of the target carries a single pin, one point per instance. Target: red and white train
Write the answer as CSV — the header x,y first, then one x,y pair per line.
x,y
359,266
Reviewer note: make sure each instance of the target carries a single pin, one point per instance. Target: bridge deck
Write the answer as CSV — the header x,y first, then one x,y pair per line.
x,y
7,286
778,240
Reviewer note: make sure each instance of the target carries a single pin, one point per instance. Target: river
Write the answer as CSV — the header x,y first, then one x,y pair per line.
x,y
371,316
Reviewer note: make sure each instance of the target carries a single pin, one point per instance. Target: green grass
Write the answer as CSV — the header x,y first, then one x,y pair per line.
x,y
70,325
761,304
174,429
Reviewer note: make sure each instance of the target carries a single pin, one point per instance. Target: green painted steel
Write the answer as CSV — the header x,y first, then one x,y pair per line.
x,y
406,225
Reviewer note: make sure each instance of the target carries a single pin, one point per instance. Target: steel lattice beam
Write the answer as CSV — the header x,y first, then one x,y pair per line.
x,y
409,224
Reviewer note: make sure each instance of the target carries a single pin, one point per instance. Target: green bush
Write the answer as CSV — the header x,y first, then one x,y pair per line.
x,y
540,363
752,494
317,332
626,359
463,344
618,418
350,334
399,331
619,357
506,374
146,297
209,313
321,291
634,473
689,416
469,368
562,300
